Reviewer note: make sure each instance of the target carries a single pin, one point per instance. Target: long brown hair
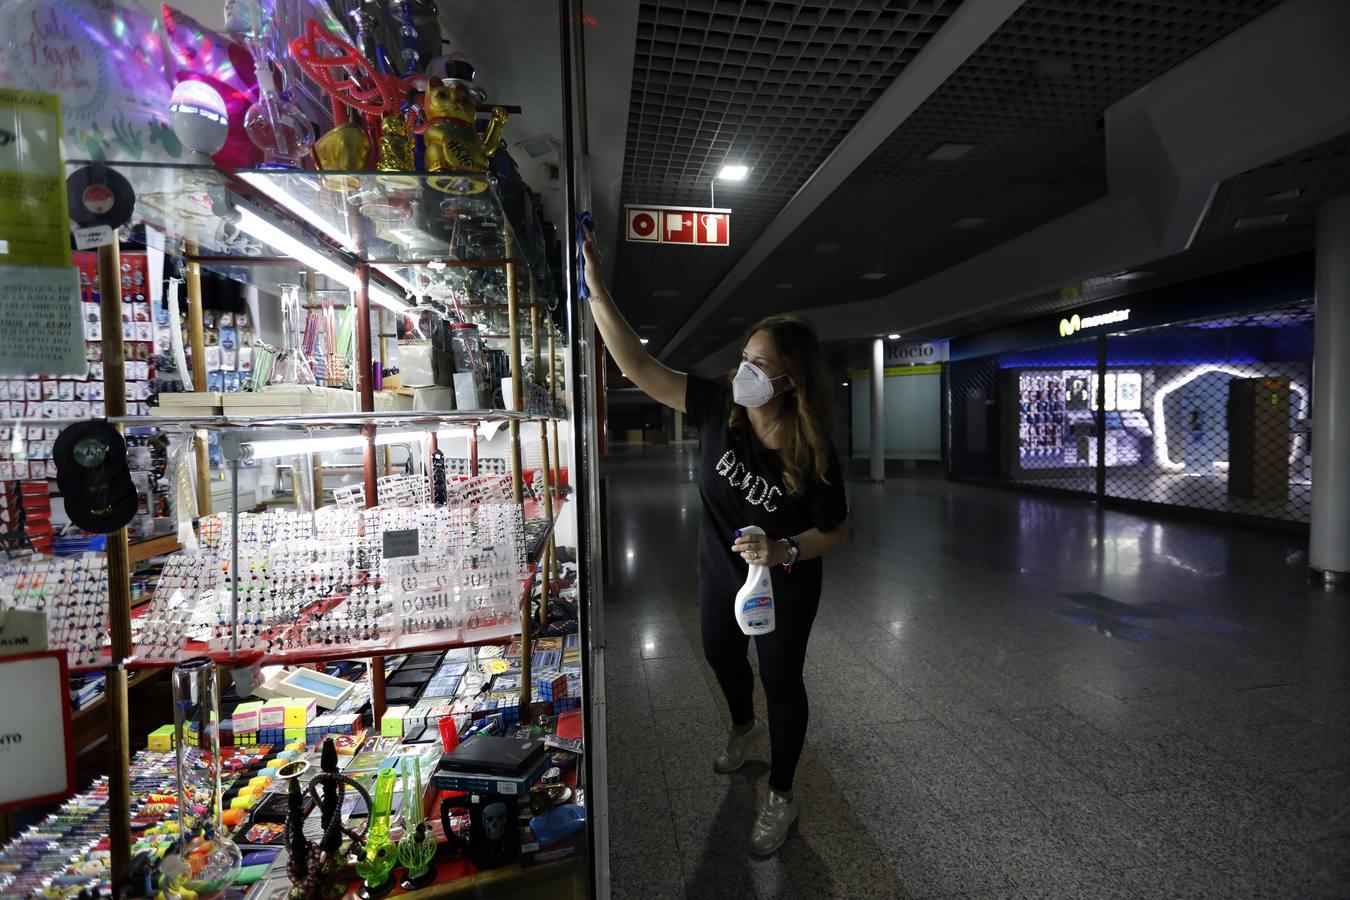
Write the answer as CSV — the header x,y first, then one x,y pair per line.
x,y
805,427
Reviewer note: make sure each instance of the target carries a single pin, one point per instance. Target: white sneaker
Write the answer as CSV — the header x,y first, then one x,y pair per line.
x,y
772,824
738,745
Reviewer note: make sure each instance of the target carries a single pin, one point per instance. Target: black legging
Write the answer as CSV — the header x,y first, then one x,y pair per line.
x,y
782,653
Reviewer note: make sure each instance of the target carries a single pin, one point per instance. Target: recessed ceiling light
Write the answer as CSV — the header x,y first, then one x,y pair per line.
x,y
892,337
969,222
873,276
843,384
826,248
1284,196
733,173
665,294
1261,221
785,286
644,340
950,152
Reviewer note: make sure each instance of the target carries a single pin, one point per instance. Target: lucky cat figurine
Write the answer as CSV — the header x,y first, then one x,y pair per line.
x,y
452,144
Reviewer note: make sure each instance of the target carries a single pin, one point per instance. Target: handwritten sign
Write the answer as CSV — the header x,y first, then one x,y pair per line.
x,y
34,221
22,631
106,59
94,237
400,542
36,764
41,328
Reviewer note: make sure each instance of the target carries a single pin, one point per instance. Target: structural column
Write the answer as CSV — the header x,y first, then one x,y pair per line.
x,y
678,427
1329,547
877,426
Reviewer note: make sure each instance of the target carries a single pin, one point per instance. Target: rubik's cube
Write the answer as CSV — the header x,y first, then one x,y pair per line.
x,y
550,687
317,728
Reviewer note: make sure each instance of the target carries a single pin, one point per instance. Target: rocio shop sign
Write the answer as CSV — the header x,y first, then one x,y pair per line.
x,y
917,352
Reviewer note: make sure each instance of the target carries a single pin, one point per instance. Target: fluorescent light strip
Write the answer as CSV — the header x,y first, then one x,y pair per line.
x,y
386,298
288,245
270,185
300,446
385,438
391,273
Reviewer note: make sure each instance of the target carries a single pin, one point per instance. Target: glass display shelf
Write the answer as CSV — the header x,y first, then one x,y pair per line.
x,y
422,641
409,419
187,204
410,220
420,239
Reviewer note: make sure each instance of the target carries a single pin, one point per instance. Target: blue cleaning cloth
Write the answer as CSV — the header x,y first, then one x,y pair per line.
x,y
584,220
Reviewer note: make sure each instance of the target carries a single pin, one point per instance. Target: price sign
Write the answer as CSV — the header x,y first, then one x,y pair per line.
x,y
400,542
692,226
36,762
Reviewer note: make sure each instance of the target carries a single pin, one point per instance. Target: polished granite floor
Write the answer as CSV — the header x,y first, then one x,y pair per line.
x,y
1012,696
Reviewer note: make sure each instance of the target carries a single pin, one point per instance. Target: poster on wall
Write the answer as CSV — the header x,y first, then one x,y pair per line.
x,y
41,327
36,764
107,63
34,229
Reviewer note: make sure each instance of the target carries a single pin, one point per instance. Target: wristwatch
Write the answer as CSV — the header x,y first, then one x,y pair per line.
x,y
793,552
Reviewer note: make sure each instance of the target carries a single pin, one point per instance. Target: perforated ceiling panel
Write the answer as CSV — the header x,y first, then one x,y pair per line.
x,y
773,86
1029,103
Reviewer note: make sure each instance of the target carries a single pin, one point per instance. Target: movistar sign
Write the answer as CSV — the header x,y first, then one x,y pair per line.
x,y
1073,324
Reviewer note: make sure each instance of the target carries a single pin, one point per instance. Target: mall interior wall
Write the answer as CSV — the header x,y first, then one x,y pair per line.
x,y
913,415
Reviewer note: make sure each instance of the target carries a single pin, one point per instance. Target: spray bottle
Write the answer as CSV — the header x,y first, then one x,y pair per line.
x,y
754,601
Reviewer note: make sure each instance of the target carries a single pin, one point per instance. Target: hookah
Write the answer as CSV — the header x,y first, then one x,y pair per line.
x,y
351,82
274,124
313,866
418,846
379,856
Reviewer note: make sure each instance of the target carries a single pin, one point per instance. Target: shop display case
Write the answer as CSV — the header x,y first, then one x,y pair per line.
x,y
1056,420
293,544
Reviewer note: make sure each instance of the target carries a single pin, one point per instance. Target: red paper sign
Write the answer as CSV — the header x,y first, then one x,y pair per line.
x,y
690,226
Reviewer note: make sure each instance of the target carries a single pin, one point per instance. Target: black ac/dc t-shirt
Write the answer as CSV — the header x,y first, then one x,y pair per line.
x,y
741,483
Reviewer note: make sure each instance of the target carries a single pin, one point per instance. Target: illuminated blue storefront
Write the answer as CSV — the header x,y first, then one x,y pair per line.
x,y
1194,395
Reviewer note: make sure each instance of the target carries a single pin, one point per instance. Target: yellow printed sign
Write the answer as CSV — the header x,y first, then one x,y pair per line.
x,y
891,371
34,221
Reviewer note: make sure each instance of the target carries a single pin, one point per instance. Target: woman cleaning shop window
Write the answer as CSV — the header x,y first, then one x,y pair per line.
x,y
767,462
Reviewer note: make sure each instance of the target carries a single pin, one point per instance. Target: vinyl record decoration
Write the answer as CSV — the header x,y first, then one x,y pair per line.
x,y
99,195
91,470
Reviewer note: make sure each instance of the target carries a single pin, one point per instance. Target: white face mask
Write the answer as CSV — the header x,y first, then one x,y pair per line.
x,y
751,387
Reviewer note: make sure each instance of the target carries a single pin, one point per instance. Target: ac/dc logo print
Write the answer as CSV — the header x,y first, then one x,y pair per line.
x,y
757,490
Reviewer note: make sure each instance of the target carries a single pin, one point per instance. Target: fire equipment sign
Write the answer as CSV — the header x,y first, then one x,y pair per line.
x,y
688,225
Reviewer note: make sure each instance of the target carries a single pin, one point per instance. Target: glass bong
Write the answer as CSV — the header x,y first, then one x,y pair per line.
x,y
291,366
204,860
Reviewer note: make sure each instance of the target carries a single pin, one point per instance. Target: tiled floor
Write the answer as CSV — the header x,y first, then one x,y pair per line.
x,y
1011,696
